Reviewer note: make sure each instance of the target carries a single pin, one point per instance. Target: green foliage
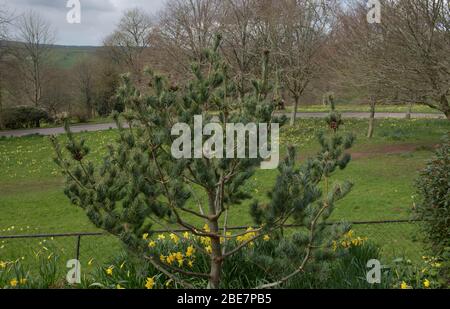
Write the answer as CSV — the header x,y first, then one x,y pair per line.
x,y
140,184
23,117
433,187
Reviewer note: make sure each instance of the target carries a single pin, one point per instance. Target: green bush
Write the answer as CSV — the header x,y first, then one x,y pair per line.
x,y
24,117
433,187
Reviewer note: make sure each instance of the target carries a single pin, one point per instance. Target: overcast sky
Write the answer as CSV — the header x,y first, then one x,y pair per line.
x,y
98,17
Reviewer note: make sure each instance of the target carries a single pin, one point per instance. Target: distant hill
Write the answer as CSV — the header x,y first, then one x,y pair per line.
x,y
63,56
67,56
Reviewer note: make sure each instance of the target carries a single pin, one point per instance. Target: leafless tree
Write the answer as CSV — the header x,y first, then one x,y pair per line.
x,y
36,36
358,58
131,39
6,17
301,30
84,73
239,44
186,29
418,63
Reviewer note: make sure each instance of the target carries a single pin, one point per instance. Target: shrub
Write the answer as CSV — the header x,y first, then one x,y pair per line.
x,y
24,117
433,187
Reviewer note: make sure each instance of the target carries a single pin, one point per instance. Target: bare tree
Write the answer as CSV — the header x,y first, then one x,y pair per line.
x,y
297,37
84,77
5,22
239,44
358,54
131,39
418,63
186,29
36,35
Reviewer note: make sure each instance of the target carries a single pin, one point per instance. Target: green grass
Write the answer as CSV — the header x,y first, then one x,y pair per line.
x,y
65,57
32,199
365,108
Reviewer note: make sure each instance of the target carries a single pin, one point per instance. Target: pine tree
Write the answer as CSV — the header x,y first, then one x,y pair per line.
x,y
140,186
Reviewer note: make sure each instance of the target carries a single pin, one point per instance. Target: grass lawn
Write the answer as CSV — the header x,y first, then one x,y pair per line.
x,y
365,108
383,170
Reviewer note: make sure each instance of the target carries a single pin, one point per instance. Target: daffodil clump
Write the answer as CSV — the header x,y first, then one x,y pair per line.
x,y
349,240
422,276
181,249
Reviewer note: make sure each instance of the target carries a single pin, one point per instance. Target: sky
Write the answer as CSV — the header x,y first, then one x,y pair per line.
x,y
98,17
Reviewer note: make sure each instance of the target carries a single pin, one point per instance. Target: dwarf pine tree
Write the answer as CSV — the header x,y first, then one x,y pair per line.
x,y
141,186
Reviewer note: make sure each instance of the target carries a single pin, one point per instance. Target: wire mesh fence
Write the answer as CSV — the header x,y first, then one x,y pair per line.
x,y
396,238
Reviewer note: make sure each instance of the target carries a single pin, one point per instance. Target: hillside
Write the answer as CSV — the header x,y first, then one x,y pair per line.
x,y
63,56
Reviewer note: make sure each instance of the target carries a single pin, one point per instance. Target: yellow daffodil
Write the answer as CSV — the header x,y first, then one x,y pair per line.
x,y
180,262
152,244
13,283
145,236
109,271
179,255
266,238
191,263
186,235
162,258
161,237
3,265
208,249
149,283
426,283
206,228
174,238
404,285
190,251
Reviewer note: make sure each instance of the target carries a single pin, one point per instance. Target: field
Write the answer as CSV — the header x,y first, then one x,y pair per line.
x,y
32,200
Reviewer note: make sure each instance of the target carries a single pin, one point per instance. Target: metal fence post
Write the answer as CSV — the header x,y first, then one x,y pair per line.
x,y
78,247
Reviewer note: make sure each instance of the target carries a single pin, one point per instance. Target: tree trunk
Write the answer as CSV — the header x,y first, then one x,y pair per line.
x,y
216,254
371,119
445,106
408,114
294,113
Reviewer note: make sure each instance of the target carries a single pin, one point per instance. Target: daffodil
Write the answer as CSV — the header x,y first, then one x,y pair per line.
x,y
152,244
161,237
174,238
191,263
266,238
186,235
404,285
208,249
190,251
3,265
13,283
145,236
426,283
109,271
149,283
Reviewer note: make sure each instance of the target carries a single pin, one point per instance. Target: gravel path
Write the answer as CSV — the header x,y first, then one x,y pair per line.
x,y
107,126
